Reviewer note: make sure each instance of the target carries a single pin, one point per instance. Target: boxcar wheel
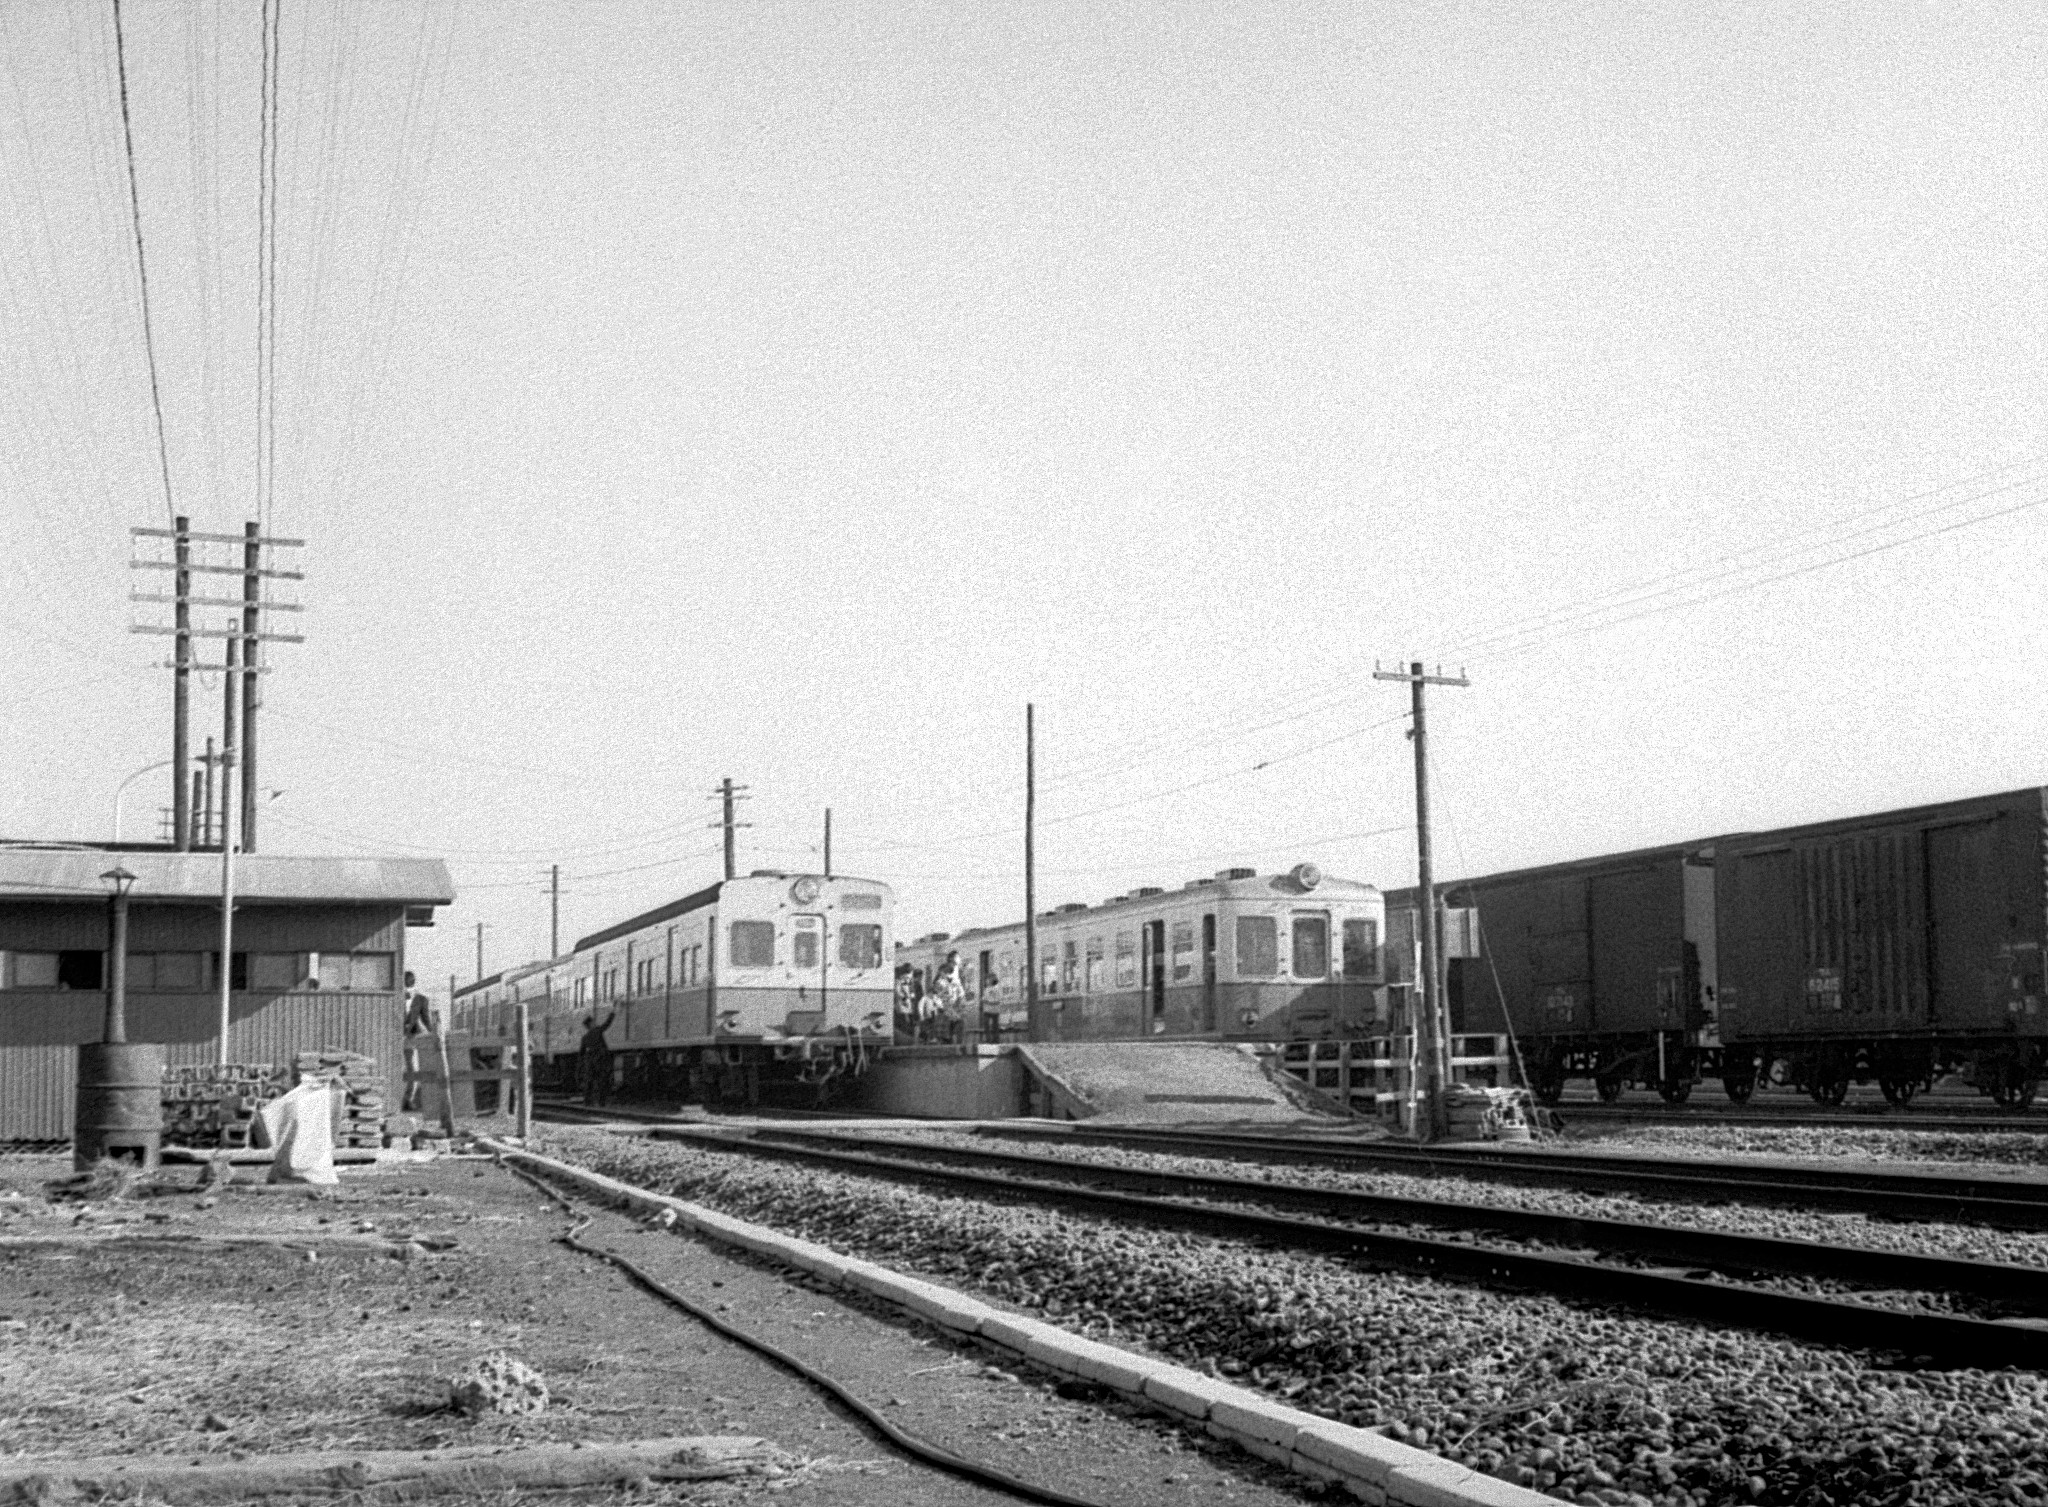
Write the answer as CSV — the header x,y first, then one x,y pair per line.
x,y
1609,1089
1899,1091
2015,1089
1676,1091
1740,1086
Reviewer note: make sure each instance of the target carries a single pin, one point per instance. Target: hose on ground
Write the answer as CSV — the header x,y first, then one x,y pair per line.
x,y
944,1459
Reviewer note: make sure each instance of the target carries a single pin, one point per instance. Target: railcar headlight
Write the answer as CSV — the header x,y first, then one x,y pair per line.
x,y
805,890
728,1020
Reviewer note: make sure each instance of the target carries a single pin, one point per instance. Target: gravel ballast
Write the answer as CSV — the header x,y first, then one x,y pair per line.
x,y
1970,1242
1590,1407
1860,1143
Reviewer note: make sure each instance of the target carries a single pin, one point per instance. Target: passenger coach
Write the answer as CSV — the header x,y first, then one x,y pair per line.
x,y
1241,956
774,979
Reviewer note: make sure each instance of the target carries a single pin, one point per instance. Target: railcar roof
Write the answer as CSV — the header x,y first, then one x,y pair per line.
x,y
697,901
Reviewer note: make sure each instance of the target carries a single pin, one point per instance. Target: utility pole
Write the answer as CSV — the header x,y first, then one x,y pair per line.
x,y
554,910
1432,1030
205,839
181,685
479,951
1030,868
232,683
252,622
728,792
249,631
828,842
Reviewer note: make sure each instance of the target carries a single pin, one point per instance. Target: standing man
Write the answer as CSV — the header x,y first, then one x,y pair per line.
x,y
596,1060
422,1025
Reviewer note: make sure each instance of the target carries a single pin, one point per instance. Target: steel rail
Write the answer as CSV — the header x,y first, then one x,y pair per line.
x,y
2024,1287
1884,1117
2018,1205
1859,1326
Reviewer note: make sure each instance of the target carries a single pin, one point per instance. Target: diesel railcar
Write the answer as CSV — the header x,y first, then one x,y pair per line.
x,y
1897,947
752,985
1240,956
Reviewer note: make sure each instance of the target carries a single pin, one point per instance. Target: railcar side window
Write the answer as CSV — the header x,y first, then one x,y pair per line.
x,y
753,944
1361,948
860,946
1311,947
1258,946
1183,950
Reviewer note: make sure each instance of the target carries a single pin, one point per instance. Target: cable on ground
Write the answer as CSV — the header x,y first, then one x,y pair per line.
x,y
932,1454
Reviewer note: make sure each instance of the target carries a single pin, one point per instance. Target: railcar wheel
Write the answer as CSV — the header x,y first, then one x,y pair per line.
x,y
1549,1088
1829,1092
1899,1091
1675,1091
2015,1089
1740,1086
1609,1089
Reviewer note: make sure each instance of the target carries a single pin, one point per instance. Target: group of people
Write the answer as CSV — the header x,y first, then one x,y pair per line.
x,y
934,1012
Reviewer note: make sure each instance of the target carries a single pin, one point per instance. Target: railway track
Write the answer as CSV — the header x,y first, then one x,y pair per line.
x,y
1695,1275
2002,1203
1987,1121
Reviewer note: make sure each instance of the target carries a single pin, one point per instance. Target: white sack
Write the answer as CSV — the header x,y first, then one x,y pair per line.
x,y
301,1126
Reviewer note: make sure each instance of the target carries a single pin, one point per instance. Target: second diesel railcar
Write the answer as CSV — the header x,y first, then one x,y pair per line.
x,y
1241,956
776,979
1895,947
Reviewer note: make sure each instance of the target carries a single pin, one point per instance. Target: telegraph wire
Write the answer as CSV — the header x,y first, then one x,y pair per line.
x,y
266,269
1808,569
156,398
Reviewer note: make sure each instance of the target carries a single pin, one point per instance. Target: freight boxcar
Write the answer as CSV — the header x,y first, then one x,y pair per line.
x,y
1601,968
1899,947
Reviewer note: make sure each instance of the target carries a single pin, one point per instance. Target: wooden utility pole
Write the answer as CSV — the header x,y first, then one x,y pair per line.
x,y
828,842
181,686
206,810
479,951
1432,1030
1030,867
525,1071
252,623
728,792
554,910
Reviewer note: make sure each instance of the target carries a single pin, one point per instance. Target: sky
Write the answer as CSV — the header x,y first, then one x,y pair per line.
x,y
795,392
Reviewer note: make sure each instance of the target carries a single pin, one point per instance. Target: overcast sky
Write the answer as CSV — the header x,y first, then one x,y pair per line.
x,y
795,391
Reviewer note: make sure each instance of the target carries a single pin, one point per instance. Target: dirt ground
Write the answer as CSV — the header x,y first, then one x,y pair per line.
x,y
153,1342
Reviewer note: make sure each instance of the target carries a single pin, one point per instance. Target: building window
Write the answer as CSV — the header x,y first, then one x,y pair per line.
x,y
279,971
582,993
1093,973
1049,970
167,971
696,962
1070,968
1311,947
1126,960
860,945
753,944
28,970
1183,950
1361,948
1258,947
368,972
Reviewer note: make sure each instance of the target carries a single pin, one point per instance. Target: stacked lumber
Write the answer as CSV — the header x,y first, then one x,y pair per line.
x,y
212,1105
359,1114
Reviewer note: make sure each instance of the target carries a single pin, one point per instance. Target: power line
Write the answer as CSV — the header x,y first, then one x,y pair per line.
x,y
266,267
156,399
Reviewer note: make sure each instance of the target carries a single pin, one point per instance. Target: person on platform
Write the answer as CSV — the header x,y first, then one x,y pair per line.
x,y
422,1025
596,1060
950,998
906,1003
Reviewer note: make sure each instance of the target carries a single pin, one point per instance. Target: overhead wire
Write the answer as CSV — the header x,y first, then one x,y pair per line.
x,y
156,397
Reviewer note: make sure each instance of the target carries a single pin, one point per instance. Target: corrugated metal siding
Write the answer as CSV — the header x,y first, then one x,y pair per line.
x,y
39,1034
1865,931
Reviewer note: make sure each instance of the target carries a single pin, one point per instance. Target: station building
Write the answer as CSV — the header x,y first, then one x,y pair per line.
x,y
318,962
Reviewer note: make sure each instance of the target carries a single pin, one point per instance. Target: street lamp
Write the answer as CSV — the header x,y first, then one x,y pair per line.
x,y
118,882
122,789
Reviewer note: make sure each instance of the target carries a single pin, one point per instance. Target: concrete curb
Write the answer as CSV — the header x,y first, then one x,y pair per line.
x,y
1375,1469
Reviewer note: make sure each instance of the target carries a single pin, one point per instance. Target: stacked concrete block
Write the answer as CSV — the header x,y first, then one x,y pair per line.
x,y
214,1105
